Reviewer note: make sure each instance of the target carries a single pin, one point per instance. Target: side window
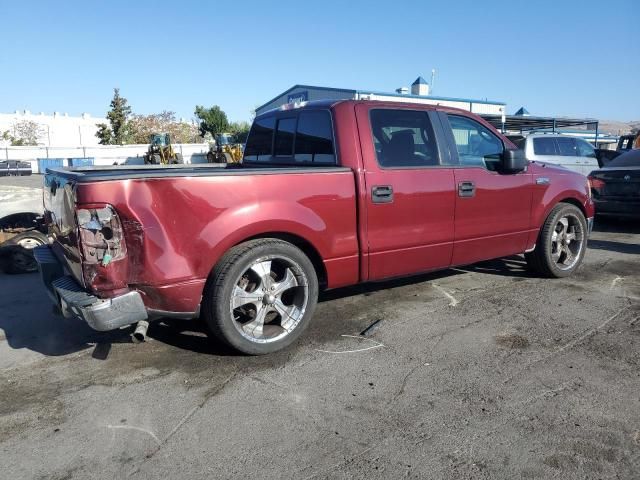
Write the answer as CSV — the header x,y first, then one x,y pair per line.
x,y
259,141
284,137
544,146
566,146
585,149
314,138
476,144
403,138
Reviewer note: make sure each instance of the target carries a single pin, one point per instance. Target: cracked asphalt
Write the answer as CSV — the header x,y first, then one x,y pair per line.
x,y
477,372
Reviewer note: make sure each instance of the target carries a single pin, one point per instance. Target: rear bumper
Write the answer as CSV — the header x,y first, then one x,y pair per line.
x,y
618,208
101,314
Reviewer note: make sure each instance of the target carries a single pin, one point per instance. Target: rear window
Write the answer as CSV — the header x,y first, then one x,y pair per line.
x,y
305,137
260,139
544,146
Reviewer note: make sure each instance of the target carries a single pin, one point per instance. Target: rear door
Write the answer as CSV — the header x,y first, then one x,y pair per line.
x,y
568,153
492,210
586,156
409,191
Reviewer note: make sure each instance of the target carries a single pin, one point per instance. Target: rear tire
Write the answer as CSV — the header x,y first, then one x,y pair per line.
x,y
260,296
561,243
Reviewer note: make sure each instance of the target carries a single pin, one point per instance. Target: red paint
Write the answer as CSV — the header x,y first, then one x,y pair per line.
x,y
177,228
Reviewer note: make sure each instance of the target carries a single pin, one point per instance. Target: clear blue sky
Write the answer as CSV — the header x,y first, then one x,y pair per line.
x,y
553,57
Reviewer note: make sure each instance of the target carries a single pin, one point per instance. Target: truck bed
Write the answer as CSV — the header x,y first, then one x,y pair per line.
x,y
179,220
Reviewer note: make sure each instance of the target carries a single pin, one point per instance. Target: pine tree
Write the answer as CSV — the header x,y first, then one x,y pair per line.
x,y
118,116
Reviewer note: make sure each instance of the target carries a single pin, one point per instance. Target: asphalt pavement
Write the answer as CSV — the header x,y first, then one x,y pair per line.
x,y
478,372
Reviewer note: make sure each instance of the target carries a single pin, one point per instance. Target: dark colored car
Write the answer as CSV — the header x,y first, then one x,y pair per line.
x,y
14,167
328,195
616,187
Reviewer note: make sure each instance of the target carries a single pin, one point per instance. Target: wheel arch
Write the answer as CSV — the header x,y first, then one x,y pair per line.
x,y
572,201
303,244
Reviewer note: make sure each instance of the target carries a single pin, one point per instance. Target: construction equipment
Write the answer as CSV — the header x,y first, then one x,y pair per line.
x,y
225,149
161,151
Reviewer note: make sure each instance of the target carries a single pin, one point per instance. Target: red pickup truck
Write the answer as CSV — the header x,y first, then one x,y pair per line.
x,y
329,194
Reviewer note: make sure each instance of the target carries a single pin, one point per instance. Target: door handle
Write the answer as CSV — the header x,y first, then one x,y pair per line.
x,y
466,189
382,194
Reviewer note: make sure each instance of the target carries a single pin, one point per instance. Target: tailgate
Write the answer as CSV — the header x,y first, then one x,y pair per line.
x,y
60,215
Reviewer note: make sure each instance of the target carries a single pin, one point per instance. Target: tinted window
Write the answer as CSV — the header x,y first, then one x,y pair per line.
x,y
566,146
585,150
284,137
476,144
314,138
403,138
628,159
544,146
259,142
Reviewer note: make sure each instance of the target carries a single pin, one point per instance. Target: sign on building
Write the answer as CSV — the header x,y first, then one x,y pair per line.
x,y
298,97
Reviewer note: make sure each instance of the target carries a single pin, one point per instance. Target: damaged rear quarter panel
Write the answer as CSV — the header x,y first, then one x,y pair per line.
x,y
177,228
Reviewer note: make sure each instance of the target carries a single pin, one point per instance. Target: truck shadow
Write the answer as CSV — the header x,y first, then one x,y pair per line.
x,y
28,321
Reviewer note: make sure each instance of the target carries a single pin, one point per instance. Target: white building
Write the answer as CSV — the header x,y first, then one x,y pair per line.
x,y
419,94
55,130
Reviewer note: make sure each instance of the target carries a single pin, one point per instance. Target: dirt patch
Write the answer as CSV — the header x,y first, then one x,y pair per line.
x,y
512,341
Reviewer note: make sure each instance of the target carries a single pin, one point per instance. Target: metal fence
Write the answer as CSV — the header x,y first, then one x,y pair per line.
x,y
102,154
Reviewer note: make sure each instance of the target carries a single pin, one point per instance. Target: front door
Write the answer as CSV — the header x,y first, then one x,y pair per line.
x,y
492,211
410,192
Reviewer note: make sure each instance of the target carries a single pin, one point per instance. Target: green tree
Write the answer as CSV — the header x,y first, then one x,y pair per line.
x,y
212,120
104,133
240,131
118,118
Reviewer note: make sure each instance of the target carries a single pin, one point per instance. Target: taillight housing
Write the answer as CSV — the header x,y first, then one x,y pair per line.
x,y
596,184
101,234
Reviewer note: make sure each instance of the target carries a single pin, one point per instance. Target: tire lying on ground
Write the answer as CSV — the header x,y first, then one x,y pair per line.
x,y
16,254
260,296
561,243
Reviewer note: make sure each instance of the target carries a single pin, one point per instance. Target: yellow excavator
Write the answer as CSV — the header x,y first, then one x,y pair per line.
x,y
161,151
225,149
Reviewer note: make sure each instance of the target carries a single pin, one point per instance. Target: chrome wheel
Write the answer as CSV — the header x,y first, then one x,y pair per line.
x,y
567,241
269,299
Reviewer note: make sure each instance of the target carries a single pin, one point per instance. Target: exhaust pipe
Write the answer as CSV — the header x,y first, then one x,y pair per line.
x,y
140,333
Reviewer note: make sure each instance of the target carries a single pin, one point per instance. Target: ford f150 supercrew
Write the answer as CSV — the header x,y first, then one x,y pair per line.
x,y
329,194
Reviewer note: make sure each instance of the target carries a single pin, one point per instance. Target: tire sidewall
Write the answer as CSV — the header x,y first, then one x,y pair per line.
x,y
225,322
552,220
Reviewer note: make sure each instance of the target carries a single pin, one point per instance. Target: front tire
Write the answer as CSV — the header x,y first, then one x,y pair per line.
x,y
561,243
261,296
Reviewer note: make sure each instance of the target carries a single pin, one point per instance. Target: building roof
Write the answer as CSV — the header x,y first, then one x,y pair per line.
x,y
386,94
420,81
430,97
528,123
522,111
327,89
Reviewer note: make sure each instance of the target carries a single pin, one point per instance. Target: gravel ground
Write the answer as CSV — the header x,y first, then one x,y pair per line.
x,y
478,372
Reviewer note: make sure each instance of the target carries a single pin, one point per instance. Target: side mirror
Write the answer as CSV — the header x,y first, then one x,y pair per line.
x,y
514,161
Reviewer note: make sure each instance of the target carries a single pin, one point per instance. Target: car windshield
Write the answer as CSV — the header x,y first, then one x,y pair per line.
x,y
629,159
